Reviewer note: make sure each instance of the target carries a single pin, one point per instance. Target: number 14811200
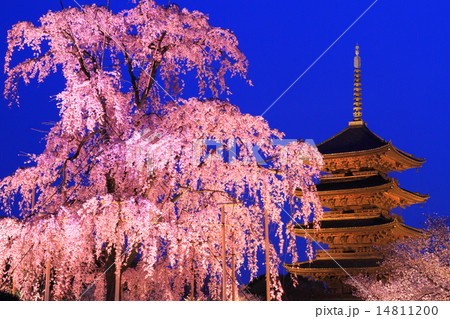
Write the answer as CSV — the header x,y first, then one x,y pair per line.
x,y
407,310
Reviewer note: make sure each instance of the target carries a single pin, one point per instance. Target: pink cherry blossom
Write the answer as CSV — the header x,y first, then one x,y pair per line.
x,y
414,268
127,182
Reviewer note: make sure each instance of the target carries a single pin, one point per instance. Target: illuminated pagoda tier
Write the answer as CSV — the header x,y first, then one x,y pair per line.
x,y
360,196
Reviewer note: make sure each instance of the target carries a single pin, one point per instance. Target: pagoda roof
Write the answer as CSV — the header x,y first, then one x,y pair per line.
x,y
371,181
345,263
371,184
358,140
344,223
357,225
323,267
351,139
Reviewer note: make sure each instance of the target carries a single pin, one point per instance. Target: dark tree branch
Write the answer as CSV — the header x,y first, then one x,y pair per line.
x,y
154,70
133,78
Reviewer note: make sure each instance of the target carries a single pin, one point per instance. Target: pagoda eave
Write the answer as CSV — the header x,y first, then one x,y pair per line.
x,y
327,272
399,228
390,189
397,159
413,197
408,160
382,149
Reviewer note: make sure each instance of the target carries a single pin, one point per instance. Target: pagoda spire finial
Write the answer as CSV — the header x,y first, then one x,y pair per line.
x,y
357,114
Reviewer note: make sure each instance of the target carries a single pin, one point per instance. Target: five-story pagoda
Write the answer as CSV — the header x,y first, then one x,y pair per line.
x,y
360,196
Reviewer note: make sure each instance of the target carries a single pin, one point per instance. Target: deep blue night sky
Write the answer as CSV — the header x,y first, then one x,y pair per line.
x,y
404,49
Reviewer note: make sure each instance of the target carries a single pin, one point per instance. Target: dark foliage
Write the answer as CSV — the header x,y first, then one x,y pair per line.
x,y
4,296
305,290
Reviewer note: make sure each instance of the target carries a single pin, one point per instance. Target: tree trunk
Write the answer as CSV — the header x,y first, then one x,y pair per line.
x,y
266,231
110,275
224,265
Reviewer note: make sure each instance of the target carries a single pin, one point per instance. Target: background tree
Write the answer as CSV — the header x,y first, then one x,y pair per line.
x,y
414,268
127,184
